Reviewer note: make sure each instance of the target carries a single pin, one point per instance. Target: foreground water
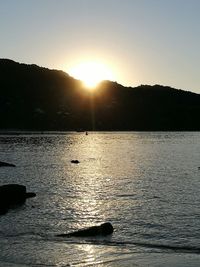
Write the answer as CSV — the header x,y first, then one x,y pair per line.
x,y
146,184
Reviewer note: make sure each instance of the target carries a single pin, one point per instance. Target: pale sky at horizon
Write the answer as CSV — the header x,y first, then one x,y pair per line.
x,y
143,41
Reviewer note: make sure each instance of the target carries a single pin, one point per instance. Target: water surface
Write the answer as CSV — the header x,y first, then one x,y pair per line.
x,y
146,184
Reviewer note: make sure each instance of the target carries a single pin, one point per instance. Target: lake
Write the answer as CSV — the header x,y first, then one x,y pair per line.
x,y
147,184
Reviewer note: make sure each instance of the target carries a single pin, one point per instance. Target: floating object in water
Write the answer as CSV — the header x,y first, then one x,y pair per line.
x,y
102,230
75,161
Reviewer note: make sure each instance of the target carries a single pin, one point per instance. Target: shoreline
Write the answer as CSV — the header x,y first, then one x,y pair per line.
x,y
27,132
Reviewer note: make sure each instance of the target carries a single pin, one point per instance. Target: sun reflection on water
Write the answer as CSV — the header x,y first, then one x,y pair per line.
x,y
92,190
91,253
85,194
86,182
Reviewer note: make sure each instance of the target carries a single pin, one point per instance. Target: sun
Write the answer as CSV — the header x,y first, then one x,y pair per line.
x,y
91,73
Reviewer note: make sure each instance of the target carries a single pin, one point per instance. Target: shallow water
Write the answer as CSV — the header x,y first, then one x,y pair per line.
x,y
146,184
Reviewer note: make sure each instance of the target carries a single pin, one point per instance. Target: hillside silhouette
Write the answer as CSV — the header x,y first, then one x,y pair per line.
x,y
36,98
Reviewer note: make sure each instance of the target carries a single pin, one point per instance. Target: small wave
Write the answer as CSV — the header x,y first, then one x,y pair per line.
x,y
108,242
126,195
24,234
175,248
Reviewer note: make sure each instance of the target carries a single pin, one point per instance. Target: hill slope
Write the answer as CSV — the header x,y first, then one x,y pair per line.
x,y
36,98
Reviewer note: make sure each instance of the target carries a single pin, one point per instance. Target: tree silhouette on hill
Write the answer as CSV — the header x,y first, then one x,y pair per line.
x,y
37,98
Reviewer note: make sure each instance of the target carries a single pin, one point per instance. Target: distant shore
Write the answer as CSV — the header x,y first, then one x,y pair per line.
x,y
32,132
39,99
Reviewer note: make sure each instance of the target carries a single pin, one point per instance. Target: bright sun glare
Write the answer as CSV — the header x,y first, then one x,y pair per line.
x,y
91,73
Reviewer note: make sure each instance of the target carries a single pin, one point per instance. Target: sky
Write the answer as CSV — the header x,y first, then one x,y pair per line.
x,y
141,41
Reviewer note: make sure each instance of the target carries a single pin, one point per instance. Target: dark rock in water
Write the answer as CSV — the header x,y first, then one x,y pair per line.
x,y
3,209
30,194
101,230
5,164
75,161
12,195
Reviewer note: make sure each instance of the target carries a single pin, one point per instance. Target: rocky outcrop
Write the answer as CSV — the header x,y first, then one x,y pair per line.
x,y
5,164
12,195
100,230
